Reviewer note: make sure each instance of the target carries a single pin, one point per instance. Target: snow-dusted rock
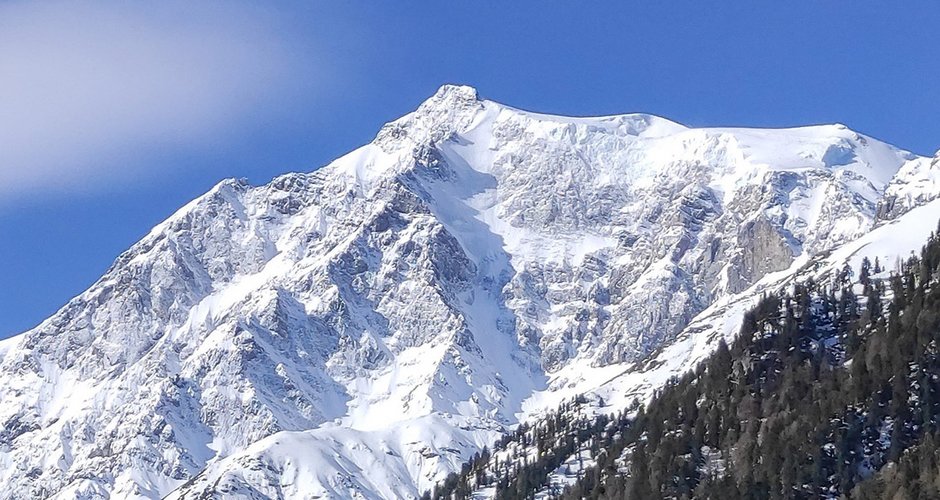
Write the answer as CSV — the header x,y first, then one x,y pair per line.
x,y
469,266
915,184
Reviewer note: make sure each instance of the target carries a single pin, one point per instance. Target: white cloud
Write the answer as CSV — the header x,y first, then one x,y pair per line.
x,y
84,87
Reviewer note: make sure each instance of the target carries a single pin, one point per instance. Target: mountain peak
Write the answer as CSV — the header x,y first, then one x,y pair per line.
x,y
471,265
460,91
449,100
452,109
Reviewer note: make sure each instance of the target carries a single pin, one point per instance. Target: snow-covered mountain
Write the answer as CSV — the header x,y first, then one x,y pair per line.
x,y
360,330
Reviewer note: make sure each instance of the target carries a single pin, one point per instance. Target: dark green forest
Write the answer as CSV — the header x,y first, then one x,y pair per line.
x,y
829,391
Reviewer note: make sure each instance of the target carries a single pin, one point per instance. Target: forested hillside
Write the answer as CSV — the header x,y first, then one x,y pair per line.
x,y
831,390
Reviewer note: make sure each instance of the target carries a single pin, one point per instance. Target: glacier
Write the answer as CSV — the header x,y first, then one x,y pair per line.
x,y
359,331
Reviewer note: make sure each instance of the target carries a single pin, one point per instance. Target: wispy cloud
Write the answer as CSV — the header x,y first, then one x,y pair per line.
x,y
84,87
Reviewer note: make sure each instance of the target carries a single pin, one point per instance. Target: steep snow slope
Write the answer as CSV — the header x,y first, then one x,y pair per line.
x,y
414,298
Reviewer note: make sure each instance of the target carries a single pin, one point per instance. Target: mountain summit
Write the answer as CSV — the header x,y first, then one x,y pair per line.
x,y
362,329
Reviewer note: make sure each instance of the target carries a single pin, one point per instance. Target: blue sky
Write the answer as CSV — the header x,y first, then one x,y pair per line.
x,y
114,115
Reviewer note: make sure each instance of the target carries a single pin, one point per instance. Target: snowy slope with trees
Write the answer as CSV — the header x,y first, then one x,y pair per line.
x,y
831,389
407,304
552,452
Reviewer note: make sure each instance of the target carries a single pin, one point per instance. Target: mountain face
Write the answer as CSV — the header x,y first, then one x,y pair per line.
x,y
361,330
830,390
873,393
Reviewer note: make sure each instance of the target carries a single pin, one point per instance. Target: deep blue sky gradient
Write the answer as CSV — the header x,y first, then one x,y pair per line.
x,y
873,66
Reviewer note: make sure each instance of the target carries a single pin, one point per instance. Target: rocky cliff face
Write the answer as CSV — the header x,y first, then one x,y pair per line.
x,y
415,297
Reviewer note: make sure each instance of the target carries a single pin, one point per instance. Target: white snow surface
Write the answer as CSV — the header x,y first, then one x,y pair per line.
x,y
359,331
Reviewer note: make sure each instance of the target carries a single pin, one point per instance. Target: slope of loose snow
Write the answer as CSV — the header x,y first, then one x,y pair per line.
x,y
339,462
466,268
